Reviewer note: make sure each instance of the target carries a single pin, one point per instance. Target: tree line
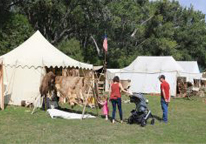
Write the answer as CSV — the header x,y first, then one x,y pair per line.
x,y
133,27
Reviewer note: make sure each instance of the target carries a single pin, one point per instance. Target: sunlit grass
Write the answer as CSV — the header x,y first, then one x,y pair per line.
x,y
187,123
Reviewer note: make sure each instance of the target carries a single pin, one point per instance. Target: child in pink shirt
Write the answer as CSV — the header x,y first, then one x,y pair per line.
x,y
105,109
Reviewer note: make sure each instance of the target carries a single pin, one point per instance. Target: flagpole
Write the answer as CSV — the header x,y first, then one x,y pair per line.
x,y
105,62
105,47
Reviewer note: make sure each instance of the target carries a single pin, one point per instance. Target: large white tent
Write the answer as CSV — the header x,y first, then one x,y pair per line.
x,y
144,71
24,68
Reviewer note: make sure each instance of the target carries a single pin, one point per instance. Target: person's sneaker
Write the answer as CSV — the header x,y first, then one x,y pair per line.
x,y
113,121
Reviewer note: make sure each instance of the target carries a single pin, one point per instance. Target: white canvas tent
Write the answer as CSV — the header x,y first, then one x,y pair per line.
x,y
24,68
144,71
191,70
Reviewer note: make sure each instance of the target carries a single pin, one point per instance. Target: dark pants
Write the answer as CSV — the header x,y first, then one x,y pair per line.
x,y
117,102
164,110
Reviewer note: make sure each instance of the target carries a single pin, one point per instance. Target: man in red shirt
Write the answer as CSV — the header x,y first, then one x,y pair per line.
x,y
165,97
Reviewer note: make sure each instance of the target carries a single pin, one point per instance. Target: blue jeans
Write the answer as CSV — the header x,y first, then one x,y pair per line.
x,y
117,102
164,110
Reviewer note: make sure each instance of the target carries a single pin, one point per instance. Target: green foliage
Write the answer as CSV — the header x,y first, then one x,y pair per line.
x,y
186,125
71,48
134,27
13,32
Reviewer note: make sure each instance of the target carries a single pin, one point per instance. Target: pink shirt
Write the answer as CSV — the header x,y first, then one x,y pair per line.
x,y
105,109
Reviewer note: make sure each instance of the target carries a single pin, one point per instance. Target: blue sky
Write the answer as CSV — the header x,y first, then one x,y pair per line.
x,y
198,4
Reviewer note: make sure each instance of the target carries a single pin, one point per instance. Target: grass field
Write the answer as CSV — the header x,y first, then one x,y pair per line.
x,y
187,124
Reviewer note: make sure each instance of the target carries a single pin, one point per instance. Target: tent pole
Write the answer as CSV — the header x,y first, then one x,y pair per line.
x,y
2,88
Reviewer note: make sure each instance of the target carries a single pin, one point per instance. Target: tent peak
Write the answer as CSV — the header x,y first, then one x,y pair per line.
x,y
37,51
154,64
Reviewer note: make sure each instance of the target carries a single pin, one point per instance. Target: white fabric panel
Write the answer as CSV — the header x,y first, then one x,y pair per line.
x,y
153,64
22,84
37,51
189,66
54,113
109,76
191,70
191,76
149,83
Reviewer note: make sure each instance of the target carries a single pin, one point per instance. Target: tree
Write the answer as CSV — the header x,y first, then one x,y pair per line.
x,y
71,48
133,27
13,32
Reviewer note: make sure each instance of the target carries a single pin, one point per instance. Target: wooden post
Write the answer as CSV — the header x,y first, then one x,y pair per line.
x,y
96,101
95,94
105,62
2,87
85,104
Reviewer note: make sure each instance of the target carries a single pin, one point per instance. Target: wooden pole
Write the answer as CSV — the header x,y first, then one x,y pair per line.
x,y
2,87
105,62
95,101
85,104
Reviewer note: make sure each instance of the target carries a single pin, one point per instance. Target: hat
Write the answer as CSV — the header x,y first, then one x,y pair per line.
x,y
161,76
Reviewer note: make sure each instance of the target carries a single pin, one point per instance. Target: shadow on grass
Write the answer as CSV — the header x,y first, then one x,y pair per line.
x,y
76,111
72,111
5,106
109,117
187,98
157,118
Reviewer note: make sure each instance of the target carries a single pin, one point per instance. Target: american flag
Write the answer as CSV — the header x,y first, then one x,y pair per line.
x,y
105,45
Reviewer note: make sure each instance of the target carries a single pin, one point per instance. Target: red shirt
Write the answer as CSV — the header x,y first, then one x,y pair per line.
x,y
115,91
166,87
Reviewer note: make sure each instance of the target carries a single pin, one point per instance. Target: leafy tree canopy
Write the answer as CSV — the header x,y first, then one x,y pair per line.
x,y
133,27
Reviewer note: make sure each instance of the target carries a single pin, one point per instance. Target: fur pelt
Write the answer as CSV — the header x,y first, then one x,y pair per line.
x,y
72,88
71,72
47,83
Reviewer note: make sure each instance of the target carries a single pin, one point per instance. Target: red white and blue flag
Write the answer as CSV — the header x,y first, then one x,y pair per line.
x,y
105,44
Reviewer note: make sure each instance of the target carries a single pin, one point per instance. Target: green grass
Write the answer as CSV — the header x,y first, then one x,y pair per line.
x,y
187,124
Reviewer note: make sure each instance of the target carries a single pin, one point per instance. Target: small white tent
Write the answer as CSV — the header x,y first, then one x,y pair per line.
x,y
24,68
189,66
144,71
191,70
